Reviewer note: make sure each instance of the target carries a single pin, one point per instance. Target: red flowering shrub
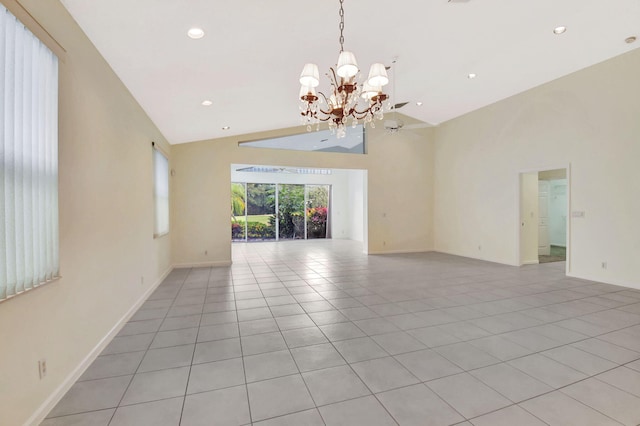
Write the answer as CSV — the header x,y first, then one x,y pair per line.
x,y
317,221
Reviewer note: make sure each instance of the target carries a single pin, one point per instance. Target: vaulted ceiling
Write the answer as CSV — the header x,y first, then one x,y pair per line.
x,y
249,60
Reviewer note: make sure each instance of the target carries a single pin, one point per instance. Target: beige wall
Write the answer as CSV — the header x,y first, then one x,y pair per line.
x,y
106,228
588,119
400,198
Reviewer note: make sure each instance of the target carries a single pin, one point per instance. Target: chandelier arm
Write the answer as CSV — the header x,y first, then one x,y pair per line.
x,y
325,101
362,114
333,77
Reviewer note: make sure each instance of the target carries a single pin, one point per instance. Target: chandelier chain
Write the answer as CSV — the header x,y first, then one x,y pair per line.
x,y
341,26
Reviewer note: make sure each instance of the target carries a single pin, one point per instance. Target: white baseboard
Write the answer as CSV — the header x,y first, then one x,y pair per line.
x,y
203,264
531,262
476,257
623,283
401,251
39,415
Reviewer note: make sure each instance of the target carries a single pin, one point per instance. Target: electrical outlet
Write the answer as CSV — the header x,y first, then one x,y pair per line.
x,y
206,252
141,279
604,265
42,368
479,248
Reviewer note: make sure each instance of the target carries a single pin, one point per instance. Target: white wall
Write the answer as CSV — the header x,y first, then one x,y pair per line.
x,y
345,212
358,205
588,120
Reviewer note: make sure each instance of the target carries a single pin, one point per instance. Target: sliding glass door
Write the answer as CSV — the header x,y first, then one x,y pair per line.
x,y
261,211
238,211
291,212
265,211
317,203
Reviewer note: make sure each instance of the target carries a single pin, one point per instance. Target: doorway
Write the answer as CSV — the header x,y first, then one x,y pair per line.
x,y
544,212
304,203
552,205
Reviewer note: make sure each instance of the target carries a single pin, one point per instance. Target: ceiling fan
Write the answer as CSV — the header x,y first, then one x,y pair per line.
x,y
394,124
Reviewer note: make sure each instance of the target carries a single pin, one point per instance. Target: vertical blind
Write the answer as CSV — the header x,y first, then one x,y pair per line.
x,y
28,159
161,192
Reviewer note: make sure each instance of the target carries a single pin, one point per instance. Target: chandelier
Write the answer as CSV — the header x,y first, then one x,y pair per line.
x,y
349,100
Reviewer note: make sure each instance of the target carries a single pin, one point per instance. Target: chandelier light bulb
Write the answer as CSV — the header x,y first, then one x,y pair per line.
x,y
347,65
369,91
310,75
307,90
378,75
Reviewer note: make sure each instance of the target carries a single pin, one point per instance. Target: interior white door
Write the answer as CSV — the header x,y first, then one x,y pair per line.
x,y
544,248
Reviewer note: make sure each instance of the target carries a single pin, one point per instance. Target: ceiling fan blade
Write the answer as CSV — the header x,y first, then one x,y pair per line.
x,y
399,105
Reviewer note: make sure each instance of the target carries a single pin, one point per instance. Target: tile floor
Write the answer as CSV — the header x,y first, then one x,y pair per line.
x,y
313,333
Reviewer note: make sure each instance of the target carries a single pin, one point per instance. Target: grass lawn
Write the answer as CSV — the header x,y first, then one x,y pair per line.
x,y
261,218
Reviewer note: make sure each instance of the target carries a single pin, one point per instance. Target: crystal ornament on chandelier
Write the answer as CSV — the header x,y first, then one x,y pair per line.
x,y
349,101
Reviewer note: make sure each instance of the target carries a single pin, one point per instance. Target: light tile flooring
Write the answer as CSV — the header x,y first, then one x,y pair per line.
x,y
313,333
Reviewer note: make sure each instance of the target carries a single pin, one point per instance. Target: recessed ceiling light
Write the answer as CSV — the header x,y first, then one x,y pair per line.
x,y
195,33
207,103
226,128
630,40
471,76
419,103
559,30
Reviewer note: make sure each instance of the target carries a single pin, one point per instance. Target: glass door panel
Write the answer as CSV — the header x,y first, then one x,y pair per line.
x,y
317,201
238,212
291,212
261,211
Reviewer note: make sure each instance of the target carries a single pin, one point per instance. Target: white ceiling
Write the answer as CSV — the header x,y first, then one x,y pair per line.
x,y
249,61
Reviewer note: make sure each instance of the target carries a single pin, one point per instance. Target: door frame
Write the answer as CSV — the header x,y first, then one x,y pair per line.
x,y
567,168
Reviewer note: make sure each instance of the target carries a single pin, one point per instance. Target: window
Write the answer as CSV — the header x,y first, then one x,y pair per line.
x,y
321,141
161,193
28,159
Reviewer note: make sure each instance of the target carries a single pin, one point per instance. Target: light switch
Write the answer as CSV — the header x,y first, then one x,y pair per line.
x,y
577,213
